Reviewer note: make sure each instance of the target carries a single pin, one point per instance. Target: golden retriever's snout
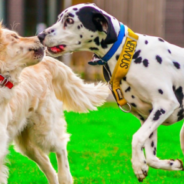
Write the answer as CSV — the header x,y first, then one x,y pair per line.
x,y
38,51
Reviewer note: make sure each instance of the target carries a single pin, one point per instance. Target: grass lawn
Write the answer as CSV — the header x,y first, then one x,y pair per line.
x,y
100,151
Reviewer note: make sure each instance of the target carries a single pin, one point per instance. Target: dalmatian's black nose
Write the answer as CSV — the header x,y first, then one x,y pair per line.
x,y
41,37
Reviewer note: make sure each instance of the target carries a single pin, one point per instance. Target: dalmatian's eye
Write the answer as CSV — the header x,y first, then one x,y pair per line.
x,y
69,21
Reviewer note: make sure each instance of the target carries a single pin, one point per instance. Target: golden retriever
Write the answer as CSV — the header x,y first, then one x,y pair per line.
x,y
15,54
46,89
33,116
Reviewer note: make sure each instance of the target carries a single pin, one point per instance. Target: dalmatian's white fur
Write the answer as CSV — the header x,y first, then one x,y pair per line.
x,y
154,85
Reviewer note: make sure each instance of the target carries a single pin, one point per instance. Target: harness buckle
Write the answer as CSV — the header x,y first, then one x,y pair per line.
x,y
130,108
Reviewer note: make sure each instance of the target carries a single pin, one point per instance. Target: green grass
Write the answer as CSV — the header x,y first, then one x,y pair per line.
x,y
100,151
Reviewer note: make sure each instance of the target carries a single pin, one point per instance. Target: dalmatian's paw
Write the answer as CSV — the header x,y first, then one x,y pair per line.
x,y
176,164
140,170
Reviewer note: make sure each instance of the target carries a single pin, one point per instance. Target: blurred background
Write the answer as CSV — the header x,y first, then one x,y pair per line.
x,y
163,18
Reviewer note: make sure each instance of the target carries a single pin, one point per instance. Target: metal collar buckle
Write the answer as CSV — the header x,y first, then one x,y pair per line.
x,y
4,81
130,108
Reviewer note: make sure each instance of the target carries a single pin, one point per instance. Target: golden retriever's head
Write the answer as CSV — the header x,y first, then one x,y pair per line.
x,y
17,51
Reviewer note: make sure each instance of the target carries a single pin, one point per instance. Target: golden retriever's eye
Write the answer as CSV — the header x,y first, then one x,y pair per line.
x,y
15,36
69,21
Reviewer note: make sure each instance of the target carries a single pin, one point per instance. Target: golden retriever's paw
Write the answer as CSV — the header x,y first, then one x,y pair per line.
x,y
66,179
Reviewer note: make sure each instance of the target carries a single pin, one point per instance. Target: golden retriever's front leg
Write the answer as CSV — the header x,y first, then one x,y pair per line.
x,y
43,162
3,152
26,146
64,174
182,138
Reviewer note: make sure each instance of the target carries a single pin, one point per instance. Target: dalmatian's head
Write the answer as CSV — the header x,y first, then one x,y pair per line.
x,y
81,27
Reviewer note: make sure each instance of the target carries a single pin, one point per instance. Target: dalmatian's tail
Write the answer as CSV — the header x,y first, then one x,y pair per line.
x,y
72,91
182,138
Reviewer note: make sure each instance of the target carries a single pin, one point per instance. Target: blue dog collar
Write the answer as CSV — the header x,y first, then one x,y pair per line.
x,y
113,49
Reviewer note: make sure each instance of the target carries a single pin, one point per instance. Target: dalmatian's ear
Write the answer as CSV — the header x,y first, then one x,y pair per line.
x,y
94,20
103,23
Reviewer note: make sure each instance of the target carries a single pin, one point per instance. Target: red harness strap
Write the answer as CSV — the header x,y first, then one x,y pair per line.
x,y
5,82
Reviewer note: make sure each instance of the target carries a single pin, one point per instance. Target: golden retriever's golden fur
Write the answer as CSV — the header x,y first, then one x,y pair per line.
x,y
47,89
15,54
34,116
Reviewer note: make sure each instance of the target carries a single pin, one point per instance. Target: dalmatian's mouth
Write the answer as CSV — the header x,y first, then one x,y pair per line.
x,y
56,49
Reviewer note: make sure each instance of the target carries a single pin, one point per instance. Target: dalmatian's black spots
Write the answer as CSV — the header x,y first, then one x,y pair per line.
x,y
150,110
133,104
154,151
151,135
180,117
71,15
79,43
159,59
117,57
66,11
81,25
141,117
81,36
145,62
124,78
136,55
176,64
180,114
103,44
75,9
90,41
152,144
138,60
160,39
146,42
128,89
162,111
78,27
157,114
133,96
171,163
179,94
61,15
91,36
93,48
160,91
96,40
169,51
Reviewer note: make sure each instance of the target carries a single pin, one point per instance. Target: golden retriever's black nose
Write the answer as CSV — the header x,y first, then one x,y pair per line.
x,y
41,37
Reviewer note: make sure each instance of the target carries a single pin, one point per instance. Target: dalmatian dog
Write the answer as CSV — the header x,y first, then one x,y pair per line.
x,y
153,86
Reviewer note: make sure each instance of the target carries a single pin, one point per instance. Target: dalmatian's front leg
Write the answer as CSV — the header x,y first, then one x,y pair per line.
x,y
153,161
162,109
